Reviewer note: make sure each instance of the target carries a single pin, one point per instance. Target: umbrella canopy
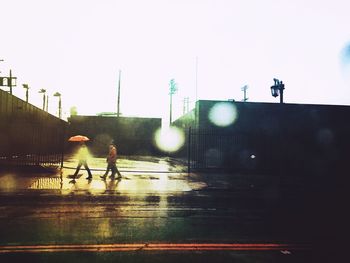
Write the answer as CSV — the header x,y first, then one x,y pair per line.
x,y
78,138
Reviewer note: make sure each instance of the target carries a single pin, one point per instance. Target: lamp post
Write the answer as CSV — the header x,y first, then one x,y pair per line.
x,y
57,94
118,102
277,89
27,93
43,91
172,90
47,103
244,89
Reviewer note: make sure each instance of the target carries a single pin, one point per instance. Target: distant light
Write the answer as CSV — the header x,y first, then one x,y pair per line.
x,y
223,114
252,156
169,139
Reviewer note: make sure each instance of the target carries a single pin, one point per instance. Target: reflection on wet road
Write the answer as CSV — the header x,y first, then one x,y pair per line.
x,y
139,175
162,205
130,183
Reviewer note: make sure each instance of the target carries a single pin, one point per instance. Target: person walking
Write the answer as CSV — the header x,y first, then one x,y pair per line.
x,y
112,163
83,155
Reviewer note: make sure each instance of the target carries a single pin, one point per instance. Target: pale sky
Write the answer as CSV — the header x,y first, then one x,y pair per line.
x,y
77,47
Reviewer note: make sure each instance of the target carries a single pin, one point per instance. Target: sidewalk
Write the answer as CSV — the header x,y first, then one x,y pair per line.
x,y
145,174
142,174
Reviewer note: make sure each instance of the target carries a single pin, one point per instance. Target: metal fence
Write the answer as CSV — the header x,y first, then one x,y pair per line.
x,y
29,135
294,154
227,151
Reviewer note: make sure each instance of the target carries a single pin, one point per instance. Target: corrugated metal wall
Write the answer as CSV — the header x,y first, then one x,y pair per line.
x,y
29,135
289,139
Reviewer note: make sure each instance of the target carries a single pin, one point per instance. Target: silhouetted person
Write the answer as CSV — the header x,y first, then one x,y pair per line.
x,y
112,163
83,155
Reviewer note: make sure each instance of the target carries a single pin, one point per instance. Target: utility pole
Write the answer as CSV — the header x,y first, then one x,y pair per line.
x,y
244,89
10,84
118,103
172,90
10,81
196,79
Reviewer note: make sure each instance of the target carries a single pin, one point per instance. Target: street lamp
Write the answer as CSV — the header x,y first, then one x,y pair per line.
x,y
43,91
172,90
277,89
244,89
27,88
57,94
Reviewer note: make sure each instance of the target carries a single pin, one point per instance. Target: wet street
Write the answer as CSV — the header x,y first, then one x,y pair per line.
x,y
156,213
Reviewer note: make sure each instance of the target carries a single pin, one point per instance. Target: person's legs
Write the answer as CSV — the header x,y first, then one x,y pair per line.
x,y
78,169
113,171
107,171
119,174
88,170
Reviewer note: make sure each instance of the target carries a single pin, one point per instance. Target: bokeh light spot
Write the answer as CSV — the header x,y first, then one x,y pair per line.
x,y
345,62
169,139
223,114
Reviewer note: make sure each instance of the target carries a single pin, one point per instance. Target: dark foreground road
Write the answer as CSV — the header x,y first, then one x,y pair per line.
x,y
162,256
196,226
168,217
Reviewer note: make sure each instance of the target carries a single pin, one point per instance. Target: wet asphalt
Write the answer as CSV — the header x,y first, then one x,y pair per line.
x,y
156,202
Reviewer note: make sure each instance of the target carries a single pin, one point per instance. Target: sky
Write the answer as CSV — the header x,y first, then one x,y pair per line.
x,y
211,48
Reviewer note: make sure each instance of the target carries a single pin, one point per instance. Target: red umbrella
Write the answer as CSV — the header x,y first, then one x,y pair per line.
x,y
78,138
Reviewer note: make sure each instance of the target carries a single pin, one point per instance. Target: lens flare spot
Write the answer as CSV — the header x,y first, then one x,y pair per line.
x,y
223,114
8,182
169,139
345,62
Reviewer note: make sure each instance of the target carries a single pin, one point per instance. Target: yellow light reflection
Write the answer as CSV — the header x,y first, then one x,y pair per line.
x,y
169,139
223,114
8,182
